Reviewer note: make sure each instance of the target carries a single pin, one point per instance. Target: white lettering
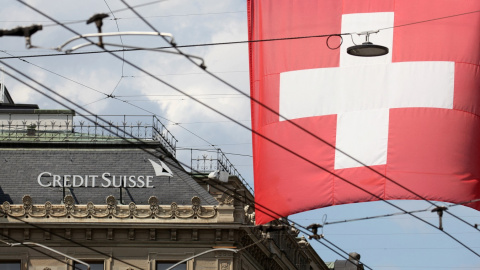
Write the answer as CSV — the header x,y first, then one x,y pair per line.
x,y
66,181
94,178
114,181
149,181
56,181
39,179
131,179
104,177
141,183
75,184
108,180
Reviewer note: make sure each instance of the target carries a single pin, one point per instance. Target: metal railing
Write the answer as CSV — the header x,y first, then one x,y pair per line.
x,y
204,163
118,128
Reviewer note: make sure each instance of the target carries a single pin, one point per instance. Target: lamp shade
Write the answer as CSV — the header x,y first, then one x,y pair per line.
x,y
367,49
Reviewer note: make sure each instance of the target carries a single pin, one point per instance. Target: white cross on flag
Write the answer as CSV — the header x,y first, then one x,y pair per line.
x,y
400,126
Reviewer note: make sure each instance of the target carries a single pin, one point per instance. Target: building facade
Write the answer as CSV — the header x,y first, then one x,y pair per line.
x,y
114,196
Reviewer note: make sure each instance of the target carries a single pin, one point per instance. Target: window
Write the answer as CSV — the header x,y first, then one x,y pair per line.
x,y
10,265
165,265
95,265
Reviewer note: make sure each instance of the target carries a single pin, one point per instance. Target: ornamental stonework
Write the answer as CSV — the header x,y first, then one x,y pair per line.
x,y
110,210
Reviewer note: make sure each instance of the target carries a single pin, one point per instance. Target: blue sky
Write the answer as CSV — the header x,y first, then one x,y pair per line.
x,y
398,242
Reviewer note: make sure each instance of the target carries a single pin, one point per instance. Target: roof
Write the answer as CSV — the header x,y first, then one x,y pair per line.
x,y
25,167
9,104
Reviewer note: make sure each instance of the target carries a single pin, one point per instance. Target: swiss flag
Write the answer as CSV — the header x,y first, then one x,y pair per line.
x,y
410,117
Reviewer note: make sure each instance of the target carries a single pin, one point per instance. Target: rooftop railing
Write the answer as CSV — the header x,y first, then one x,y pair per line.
x,y
204,163
116,128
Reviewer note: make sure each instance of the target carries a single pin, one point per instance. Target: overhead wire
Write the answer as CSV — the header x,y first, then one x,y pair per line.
x,y
260,135
179,46
121,41
233,194
395,214
113,97
430,20
258,209
37,249
115,11
304,129
55,100
22,2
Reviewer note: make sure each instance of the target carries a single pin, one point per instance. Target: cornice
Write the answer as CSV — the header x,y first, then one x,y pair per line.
x,y
112,212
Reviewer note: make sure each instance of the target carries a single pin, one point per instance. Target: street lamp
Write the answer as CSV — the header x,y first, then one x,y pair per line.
x,y
367,49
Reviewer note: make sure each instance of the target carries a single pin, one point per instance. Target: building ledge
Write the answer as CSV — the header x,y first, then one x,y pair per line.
x,y
113,212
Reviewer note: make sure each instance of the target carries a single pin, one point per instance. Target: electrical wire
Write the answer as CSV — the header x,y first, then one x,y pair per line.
x,y
34,248
430,20
113,97
180,46
123,47
233,192
301,127
209,150
22,2
115,11
259,209
395,214
260,135
169,163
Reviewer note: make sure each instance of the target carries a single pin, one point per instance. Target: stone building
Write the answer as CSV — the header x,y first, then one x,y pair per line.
x,y
114,196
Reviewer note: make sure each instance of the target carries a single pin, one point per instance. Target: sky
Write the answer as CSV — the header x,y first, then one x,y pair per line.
x,y
396,242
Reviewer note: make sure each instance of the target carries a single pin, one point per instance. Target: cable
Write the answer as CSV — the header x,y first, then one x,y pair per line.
x,y
111,96
121,41
133,65
271,141
232,194
94,101
198,95
394,214
171,164
300,127
179,46
430,20
115,11
174,165
208,150
34,248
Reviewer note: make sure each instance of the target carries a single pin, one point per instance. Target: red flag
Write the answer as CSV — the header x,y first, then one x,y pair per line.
x,y
413,115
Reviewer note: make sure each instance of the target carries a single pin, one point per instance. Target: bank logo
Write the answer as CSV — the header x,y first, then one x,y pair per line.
x,y
161,169
105,180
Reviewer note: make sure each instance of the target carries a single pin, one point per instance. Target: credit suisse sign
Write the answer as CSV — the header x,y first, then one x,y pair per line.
x,y
105,180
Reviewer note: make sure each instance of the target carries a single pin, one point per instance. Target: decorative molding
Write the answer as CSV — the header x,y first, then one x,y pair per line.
x,y
249,214
226,199
110,234
173,234
110,210
26,234
225,266
88,234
